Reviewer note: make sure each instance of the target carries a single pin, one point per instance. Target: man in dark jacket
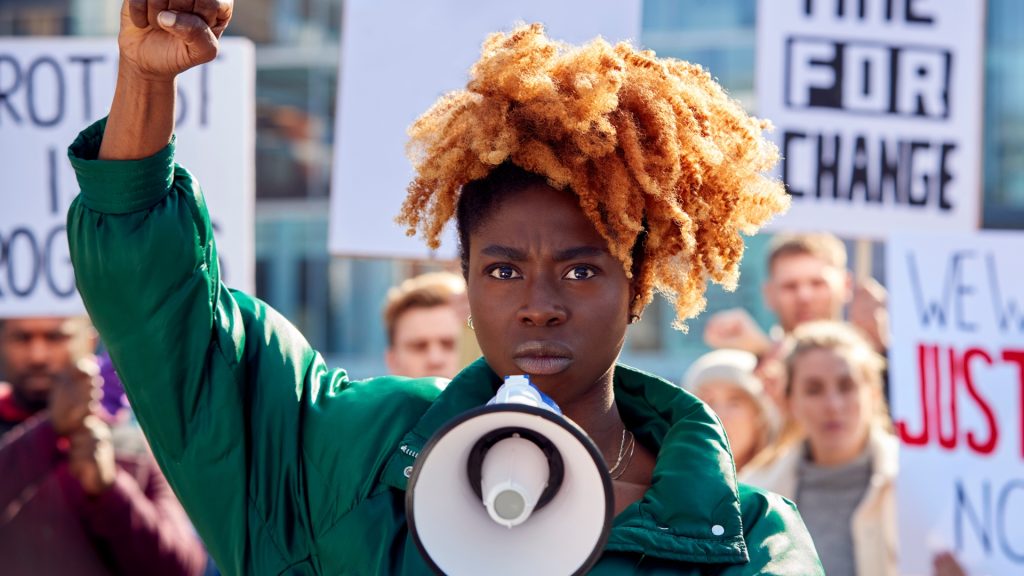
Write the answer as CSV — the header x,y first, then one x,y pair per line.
x,y
78,493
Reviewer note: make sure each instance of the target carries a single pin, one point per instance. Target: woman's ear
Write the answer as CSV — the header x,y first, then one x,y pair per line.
x,y
634,312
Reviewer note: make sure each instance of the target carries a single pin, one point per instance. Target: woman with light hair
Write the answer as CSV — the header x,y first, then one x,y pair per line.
x,y
581,180
725,381
843,462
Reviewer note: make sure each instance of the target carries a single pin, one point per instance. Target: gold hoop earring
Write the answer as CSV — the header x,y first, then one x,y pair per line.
x,y
469,322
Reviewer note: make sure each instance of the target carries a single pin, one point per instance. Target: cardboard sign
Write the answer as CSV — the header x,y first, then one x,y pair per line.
x,y
878,112
393,69
957,381
52,88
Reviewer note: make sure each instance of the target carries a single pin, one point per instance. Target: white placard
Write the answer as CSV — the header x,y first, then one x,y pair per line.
x,y
50,89
957,383
878,112
397,58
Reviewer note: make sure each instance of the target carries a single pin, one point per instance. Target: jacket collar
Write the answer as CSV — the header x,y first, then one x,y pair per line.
x,y
690,513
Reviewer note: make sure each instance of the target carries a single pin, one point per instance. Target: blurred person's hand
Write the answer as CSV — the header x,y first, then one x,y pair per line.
x,y
869,314
734,328
945,564
91,456
160,39
74,396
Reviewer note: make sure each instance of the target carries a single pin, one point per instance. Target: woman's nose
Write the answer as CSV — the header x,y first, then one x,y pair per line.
x,y
542,306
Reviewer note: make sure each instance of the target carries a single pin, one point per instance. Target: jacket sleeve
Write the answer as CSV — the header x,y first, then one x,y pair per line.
x,y
28,453
139,523
777,540
222,385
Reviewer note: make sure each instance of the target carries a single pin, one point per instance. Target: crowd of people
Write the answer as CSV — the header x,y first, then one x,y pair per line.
x,y
804,410
805,406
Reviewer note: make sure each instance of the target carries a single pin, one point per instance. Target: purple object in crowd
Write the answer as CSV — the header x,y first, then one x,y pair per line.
x,y
114,399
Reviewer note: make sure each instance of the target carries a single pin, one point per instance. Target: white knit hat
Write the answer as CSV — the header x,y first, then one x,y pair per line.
x,y
735,366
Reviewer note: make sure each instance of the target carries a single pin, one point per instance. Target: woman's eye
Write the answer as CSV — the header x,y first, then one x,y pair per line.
x,y
580,273
504,273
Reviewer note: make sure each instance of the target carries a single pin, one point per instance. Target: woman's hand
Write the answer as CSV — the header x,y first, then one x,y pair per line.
x,y
160,39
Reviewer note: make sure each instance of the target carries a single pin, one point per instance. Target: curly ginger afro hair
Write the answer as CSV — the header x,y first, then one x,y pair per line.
x,y
651,146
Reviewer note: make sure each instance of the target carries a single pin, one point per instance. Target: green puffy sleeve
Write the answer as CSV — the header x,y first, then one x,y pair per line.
x,y
232,398
777,540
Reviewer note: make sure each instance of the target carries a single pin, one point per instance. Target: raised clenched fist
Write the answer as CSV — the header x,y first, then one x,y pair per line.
x,y
91,456
160,39
74,396
735,328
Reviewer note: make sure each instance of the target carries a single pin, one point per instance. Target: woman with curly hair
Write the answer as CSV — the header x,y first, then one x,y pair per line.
x,y
582,180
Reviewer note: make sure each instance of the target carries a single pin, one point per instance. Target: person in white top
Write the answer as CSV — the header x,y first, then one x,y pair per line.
x,y
724,379
844,462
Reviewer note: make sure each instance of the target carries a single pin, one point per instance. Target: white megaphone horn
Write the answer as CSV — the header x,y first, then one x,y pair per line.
x,y
510,488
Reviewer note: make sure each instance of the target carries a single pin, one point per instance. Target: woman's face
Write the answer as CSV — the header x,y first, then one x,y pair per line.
x,y
833,402
739,416
547,298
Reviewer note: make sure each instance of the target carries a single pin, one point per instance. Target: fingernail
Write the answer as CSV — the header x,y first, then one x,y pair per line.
x,y
166,18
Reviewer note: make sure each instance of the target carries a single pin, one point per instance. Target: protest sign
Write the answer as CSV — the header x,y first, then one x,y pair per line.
x,y
393,69
877,106
957,384
52,88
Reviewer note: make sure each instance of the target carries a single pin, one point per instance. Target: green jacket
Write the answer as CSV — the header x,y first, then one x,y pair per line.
x,y
288,466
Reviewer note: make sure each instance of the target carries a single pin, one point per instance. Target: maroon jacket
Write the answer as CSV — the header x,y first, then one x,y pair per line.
x,y
48,525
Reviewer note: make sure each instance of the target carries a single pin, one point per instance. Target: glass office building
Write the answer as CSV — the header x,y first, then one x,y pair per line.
x,y
336,301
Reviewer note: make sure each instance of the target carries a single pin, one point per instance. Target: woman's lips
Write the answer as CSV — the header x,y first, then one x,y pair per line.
x,y
542,365
832,427
542,358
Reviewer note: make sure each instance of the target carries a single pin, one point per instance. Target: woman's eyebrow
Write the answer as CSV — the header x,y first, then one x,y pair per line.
x,y
517,255
504,253
580,252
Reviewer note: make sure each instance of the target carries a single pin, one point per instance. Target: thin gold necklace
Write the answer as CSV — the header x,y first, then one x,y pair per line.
x,y
625,452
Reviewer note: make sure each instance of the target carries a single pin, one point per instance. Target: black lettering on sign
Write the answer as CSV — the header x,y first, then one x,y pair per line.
x,y
855,168
39,90
1013,488
10,81
86,92
194,100
869,10
51,168
1008,310
57,245
790,138
956,287
204,95
990,520
35,75
868,77
32,261
21,246
979,521
828,166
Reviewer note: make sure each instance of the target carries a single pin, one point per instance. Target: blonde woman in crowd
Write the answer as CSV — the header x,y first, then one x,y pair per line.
x,y
843,465
724,379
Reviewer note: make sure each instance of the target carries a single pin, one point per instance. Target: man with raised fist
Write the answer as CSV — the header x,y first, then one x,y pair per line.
x,y
79,491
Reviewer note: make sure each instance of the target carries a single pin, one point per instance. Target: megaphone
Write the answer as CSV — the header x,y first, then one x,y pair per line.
x,y
510,488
